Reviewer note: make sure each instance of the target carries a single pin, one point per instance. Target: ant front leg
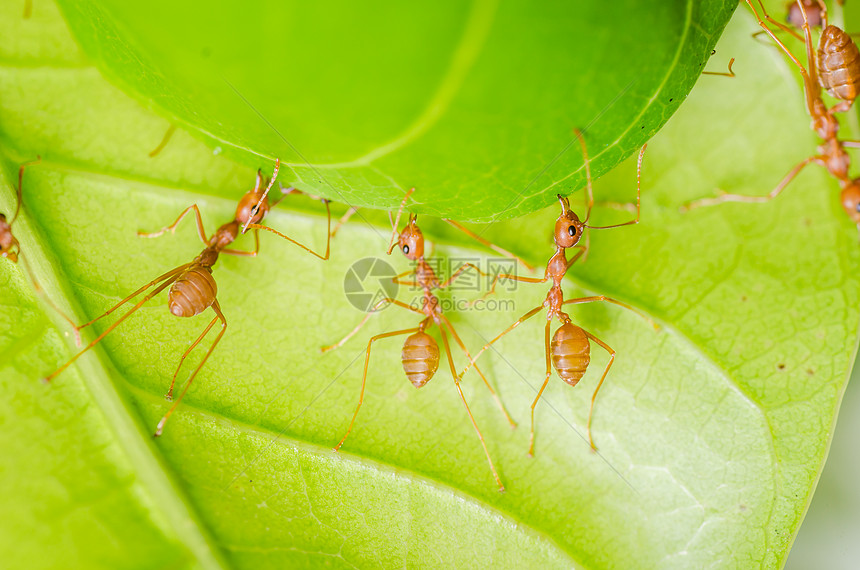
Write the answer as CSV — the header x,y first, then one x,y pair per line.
x,y
246,253
397,279
304,247
172,227
726,197
496,279
489,244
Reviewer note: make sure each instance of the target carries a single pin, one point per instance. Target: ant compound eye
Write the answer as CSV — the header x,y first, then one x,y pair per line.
x,y
571,231
406,249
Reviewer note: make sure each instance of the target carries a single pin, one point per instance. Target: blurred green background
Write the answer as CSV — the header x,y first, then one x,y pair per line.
x,y
830,534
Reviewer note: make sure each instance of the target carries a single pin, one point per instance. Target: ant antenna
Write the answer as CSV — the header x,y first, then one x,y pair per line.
x,y
265,193
396,222
638,187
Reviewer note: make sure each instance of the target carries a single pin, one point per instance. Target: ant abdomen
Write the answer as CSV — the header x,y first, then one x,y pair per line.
x,y
420,358
571,353
193,292
839,64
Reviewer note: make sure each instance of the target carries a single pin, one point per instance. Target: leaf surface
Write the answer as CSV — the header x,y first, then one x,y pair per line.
x,y
712,430
471,103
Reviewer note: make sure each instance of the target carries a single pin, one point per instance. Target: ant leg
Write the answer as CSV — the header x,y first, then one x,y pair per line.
x,y
589,196
44,296
489,244
810,83
776,23
218,315
841,107
492,290
21,170
638,195
851,144
307,249
542,388
170,275
246,253
606,299
519,321
469,411
364,376
582,250
458,272
168,134
611,352
344,219
169,395
172,227
462,346
370,313
155,292
397,279
725,197
728,73
502,276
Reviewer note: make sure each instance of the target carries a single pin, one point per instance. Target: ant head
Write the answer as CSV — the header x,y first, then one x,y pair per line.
x,y
251,210
568,227
411,240
851,200
8,243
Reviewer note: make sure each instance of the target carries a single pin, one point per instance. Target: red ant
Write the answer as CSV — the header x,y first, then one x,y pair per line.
x,y
10,248
837,70
420,355
569,350
192,286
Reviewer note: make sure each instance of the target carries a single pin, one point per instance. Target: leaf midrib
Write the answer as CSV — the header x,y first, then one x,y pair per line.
x,y
119,415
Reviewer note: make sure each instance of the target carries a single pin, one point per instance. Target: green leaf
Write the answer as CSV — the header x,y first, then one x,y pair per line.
x,y
468,102
712,430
